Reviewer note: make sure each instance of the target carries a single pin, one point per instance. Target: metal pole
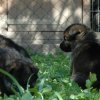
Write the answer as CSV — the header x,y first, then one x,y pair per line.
x,y
82,11
98,15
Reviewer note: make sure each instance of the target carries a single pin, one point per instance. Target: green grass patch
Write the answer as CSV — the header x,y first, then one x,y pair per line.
x,y
54,81
54,76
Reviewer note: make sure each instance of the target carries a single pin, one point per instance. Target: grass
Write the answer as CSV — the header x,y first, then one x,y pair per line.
x,y
54,76
54,81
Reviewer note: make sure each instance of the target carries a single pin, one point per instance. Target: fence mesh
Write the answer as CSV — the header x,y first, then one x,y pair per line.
x,y
39,24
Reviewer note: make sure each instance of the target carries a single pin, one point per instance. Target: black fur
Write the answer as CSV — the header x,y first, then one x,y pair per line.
x,y
15,60
81,41
6,42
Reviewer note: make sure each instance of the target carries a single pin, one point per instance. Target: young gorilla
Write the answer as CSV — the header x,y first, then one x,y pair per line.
x,y
81,41
15,60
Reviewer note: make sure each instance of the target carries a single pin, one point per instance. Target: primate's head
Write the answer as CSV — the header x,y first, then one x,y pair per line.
x,y
75,34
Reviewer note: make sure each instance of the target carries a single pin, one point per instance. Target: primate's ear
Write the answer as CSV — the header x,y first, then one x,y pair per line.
x,y
81,35
76,32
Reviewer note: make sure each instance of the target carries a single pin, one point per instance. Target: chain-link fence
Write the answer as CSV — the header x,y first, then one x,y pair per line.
x,y
39,24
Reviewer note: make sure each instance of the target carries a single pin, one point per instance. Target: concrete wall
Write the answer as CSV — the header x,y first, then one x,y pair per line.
x,y
39,24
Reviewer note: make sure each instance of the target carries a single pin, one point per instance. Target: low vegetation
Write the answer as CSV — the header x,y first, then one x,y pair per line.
x,y
54,81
